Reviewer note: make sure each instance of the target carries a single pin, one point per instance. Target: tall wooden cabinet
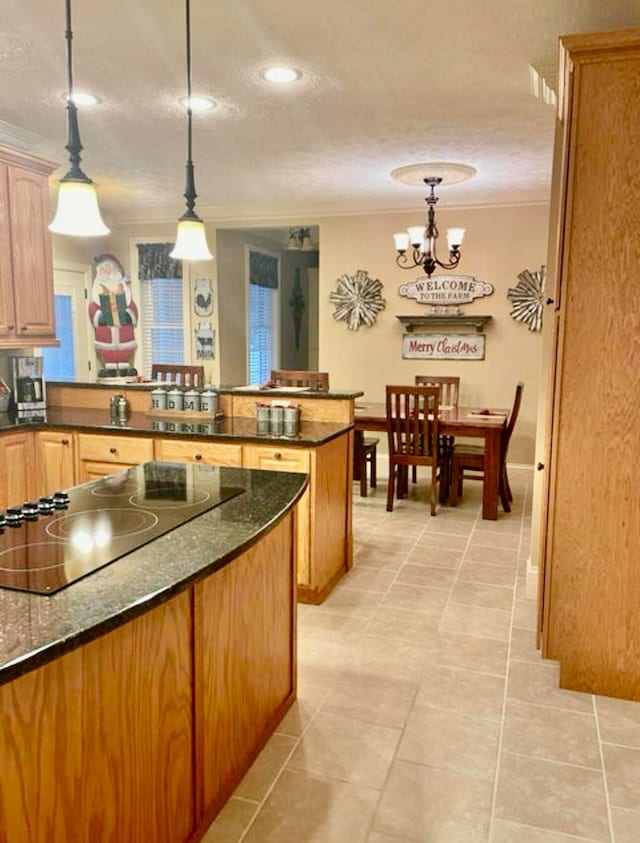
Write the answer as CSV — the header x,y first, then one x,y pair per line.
x,y
590,585
26,270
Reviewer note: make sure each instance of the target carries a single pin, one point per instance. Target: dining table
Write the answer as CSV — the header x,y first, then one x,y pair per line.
x,y
487,424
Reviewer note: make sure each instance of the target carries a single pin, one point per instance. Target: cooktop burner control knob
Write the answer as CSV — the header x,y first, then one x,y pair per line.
x,y
60,500
13,517
30,511
45,505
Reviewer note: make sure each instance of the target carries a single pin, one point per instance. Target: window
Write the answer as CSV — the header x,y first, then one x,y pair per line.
x,y
264,269
59,363
162,306
70,360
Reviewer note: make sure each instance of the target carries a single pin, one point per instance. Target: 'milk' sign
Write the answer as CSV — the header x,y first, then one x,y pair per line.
x,y
443,346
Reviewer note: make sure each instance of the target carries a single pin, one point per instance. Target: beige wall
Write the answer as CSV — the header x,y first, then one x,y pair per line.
x,y
499,244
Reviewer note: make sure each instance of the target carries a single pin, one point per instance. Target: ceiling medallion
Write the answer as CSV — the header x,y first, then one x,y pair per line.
x,y
415,174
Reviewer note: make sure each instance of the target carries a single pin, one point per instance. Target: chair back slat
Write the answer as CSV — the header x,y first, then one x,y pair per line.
x,y
449,387
301,377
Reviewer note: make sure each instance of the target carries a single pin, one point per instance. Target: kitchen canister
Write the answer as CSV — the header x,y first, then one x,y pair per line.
x,y
276,422
209,401
291,421
175,399
192,400
263,418
159,399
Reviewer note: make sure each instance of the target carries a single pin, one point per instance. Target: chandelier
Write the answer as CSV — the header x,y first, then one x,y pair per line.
x,y
77,213
423,239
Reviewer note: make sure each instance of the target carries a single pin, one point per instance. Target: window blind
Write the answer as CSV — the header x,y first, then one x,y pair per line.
x,y
59,363
261,332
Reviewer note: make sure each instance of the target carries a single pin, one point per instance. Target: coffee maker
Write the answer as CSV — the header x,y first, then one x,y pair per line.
x,y
29,389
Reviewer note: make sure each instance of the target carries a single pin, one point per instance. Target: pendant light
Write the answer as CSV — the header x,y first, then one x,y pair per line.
x,y
191,240
78,213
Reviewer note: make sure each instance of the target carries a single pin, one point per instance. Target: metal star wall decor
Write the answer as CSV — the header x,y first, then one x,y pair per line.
x,y
527,298
357,300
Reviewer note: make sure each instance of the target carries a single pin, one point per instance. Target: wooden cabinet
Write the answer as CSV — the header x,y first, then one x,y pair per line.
x,y
15,476
26,270
54,461
191,450
323,514
590,580
99,455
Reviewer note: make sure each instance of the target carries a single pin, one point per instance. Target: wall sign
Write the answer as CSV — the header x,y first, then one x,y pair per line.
x,y
443,346
445,289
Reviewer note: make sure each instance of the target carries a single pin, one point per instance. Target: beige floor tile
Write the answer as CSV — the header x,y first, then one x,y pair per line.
x,y
558,797
462,692
492,574
307,809
381,560
352,601
403,624
482,594
376,837
551,733
438,806
626,825
484,655
449,525
491,555
476,620
619,721
321,618
527,586
377,700
388,658
346,749
309,699
506,832
622,766
426,575
265,769
435,556
369,579
430,601
538,684
450,741
509,539
525,614
231,822
523,645
433,540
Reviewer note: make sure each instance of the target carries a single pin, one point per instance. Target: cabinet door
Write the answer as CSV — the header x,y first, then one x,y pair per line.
x,y
213,453
15,481
55,465
289,459
7,307
31,254
100,455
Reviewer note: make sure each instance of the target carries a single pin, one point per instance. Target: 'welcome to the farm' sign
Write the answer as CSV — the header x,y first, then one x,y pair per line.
x,y
445,289
443,346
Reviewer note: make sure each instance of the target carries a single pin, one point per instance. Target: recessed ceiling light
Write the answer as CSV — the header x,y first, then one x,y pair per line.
x,y
198,103
281,74
82,98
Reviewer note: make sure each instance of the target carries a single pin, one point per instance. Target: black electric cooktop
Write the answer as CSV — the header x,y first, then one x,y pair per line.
x,y
50,542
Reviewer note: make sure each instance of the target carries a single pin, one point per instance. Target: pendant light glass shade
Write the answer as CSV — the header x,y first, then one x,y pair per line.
x,y
78,213
191,242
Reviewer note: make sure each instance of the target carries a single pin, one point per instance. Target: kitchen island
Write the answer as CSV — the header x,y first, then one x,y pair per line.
x,y
133,700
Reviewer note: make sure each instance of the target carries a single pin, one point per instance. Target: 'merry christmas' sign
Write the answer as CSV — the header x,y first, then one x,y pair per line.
x,y
443,346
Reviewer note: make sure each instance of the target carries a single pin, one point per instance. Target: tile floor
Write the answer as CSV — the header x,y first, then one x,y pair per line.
x,y
424,711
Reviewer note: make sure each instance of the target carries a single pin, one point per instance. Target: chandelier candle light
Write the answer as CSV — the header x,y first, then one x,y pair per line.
x,y
191,240
77,213
423,239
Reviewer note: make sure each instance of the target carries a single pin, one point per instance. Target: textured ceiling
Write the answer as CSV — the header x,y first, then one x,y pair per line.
x,y
385,83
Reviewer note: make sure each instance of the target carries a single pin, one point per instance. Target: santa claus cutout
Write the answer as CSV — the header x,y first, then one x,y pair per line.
x,y
114,315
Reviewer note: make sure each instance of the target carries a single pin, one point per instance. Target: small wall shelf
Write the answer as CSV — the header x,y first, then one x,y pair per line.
x,y
444,322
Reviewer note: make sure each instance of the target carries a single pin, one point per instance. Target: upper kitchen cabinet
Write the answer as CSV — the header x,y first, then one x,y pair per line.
x,y
26,269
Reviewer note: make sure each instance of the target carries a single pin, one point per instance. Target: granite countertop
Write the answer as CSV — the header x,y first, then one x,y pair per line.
x,y
36,629
227,428
113,383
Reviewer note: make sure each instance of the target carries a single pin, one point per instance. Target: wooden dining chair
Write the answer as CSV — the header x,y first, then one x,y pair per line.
x,y
365,453
178,374
449,386
412,436
467,461
318,381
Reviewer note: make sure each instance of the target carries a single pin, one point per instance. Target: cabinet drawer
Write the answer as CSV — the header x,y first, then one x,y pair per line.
x,y
274,458
119,449
214,453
